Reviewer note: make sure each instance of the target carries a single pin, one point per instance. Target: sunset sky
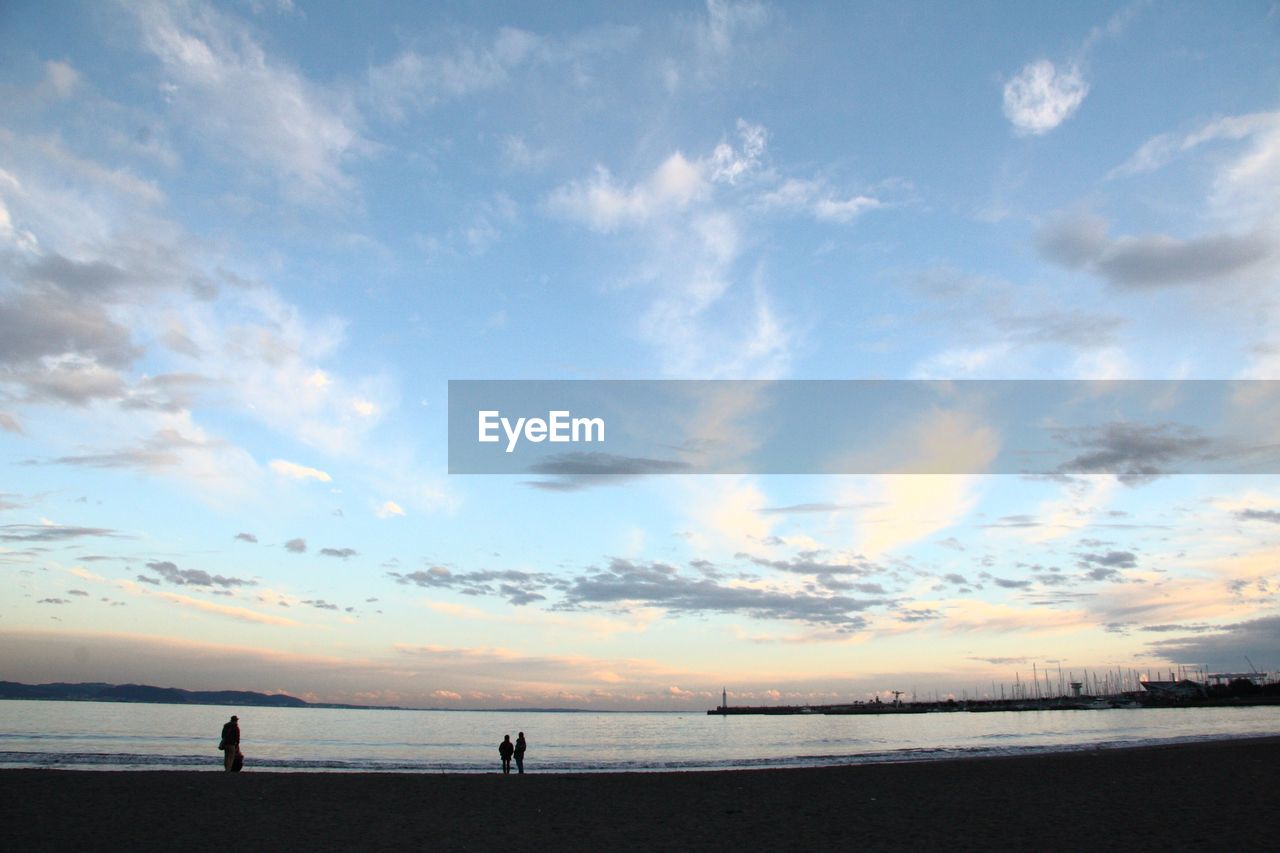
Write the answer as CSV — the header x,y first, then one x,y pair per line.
x,y
245,245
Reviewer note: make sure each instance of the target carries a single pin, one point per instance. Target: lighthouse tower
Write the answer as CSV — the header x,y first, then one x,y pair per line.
x,y
724,700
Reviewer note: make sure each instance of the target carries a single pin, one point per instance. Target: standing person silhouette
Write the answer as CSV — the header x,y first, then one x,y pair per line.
x,y
504,751
230,743
521,746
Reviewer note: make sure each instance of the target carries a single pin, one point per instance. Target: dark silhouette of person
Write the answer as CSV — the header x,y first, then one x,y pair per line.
x,y
521,746
230,743
504,751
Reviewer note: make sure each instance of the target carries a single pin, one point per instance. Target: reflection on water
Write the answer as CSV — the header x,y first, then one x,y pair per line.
x,y
104,735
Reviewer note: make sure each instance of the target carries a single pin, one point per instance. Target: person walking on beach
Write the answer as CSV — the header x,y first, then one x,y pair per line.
x,y
521,746
230,745
504,752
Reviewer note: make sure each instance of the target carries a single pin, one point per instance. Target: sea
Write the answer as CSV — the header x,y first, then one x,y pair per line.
x,y
135,736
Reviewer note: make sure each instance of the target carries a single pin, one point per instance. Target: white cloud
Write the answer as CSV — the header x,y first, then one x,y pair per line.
x,y
519,154
19,238
389,509
415,81
815,198
844,210
729,164
1262,161
895,510
246,106
604,206
724,19
1249,186
684,215
103,282
1041,96
1109,363
961,362
294,471
61,77
724,514
272,354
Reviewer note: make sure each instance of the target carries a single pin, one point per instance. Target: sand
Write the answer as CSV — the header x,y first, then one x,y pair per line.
x,y
1211,795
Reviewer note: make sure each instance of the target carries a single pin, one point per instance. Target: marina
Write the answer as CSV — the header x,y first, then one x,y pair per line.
x,y
1206,690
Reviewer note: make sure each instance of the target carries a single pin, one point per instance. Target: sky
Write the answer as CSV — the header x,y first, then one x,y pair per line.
x,y
244,247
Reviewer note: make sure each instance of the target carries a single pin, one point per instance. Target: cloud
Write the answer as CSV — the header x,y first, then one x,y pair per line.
x,y
247,109
106,285
825,572
685,217
517,587
804,508
815,198
321,604
1136,454
1225,649
725,19
660,585
995,322
340,553
917,615
246,537
1245,186
1111,559
728,164
61,78
194,577
1270,515
60,307
414,81
1156,260
604,206
518,154
50,532
296,546
576,471
298,472
163,449
632,583
481,675
1006,583
389,509
708,44
240,614
1041,96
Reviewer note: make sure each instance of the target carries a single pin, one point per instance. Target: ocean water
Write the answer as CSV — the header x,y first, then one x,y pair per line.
x,y
115,736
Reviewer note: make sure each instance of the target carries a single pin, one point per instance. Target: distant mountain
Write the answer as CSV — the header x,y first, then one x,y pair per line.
x,y
95,692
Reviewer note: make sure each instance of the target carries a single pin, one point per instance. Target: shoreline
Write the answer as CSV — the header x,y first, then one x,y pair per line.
x,y
1211,794
902,756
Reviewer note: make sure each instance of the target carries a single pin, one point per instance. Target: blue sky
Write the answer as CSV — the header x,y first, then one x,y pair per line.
x,y
244,246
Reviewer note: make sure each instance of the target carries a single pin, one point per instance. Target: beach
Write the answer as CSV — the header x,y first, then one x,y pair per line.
x,y
1200,795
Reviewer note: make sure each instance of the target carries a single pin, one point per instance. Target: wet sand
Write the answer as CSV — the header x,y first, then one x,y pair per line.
x,y
1211,796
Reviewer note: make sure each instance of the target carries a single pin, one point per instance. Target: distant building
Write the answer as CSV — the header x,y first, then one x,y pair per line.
x,y
1184,689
